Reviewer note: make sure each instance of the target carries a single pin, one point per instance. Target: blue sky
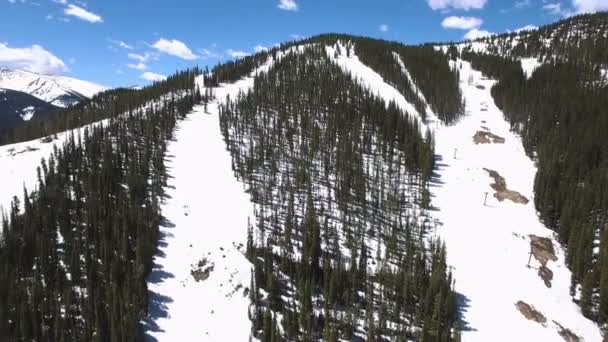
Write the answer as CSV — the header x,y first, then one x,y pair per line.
x,y
130,42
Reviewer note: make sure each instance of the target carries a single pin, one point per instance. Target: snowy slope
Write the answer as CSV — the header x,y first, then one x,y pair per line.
x,y
207,213
371,80
18,162
528,65
60,91
489,245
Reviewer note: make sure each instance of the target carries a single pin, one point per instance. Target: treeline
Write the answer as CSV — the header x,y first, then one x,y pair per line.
x,y
561,113
429,69
108,104
340,183
581,37
75,253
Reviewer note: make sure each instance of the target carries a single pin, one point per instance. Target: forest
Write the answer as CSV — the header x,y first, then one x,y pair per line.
x,y
340,182
75,253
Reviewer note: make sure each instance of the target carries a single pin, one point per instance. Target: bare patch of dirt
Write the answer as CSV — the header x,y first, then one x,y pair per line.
x,y
502,193
531,313
546,275
482,137
542,249
567,334
202,270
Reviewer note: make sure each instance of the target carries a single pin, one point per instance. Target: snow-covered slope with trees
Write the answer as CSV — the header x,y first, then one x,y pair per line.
x,y
57,90
489,244
199,287
345,57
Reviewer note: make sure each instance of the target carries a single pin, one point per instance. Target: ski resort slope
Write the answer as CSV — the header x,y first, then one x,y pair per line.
x,y
206,218
488,245
372,81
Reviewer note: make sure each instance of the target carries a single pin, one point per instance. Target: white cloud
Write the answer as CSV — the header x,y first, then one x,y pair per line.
x,y
138,57
522,4
175,48
383,28
236,53
456,4
63,2
554,8
82,13
589,6
138,66
477,33
526,28
462,23
260,48
296,36
122,44
288,5
209,53
151,76
34,58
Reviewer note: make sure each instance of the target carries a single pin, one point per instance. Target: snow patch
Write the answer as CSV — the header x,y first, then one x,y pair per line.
x,y
529,64
27,113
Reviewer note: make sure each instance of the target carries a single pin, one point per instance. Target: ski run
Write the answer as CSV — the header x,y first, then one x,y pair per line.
x,y
199,284
489,245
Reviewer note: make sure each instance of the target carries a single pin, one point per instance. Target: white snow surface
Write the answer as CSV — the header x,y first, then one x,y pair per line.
x,y
207,213
18,163
529,64
27,113
488,245
372,81
46,87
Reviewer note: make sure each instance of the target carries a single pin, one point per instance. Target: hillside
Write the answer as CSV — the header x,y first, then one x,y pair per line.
x,y
17,107
337,188
559,109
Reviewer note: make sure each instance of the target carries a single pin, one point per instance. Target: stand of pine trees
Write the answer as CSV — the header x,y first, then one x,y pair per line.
x,y
75,253
340,183
561,113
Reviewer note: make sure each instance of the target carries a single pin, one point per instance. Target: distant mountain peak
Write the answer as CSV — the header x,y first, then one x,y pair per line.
x,y
60,91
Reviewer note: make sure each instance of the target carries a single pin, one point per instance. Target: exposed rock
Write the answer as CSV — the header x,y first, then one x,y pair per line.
x,y
567,334
202,271
530,312
546,274
542,249
482,137
502,193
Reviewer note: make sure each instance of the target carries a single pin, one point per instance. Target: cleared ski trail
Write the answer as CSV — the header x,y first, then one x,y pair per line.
x,y
206,214
488,245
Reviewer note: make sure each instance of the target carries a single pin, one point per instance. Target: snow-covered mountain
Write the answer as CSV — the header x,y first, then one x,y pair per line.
x,y
338,188
60,91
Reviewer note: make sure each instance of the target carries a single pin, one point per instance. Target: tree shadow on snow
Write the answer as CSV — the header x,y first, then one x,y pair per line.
x,y
157,308
435,181
157,303
463,303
